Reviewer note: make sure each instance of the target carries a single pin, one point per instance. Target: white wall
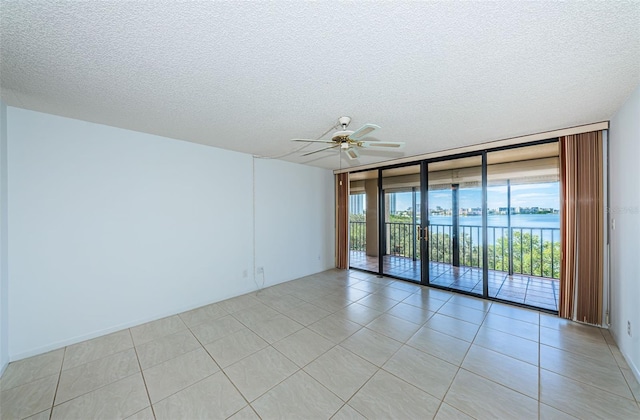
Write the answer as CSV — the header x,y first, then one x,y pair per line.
x,y
295,215
624,167
109,228
4,279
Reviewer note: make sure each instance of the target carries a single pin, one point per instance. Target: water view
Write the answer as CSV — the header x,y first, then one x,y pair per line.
x,y
517,220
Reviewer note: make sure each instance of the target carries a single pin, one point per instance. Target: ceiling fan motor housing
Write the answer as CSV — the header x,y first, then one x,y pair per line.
x,y
341,136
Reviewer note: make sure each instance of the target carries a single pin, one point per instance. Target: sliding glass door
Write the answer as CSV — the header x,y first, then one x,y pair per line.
x,y
363,221
484,223
455,225
400,213
524,225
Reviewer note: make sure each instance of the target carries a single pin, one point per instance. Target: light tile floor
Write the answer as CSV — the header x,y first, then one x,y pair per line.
x,y
338,344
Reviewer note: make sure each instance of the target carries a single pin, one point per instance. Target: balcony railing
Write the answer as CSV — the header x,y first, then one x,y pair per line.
x,y
357,236
516,250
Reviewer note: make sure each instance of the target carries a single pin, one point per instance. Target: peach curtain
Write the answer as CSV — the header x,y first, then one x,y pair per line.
x,y
581,227
342,221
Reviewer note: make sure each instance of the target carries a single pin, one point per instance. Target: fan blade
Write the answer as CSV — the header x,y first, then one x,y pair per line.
x,y
365,130
352,153
313,141
382,144
320,150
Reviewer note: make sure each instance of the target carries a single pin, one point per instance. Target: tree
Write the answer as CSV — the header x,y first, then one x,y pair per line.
x,y
532,254
357,232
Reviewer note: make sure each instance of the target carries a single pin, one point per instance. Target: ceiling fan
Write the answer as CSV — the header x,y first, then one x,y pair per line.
x,y
349,141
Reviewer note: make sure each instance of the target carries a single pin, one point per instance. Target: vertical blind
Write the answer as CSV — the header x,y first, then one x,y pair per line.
x,y
342,221
581,227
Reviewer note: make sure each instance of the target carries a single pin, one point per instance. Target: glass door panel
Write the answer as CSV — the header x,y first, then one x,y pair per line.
x,y
363,221
455,240
400,243
523,198
443,223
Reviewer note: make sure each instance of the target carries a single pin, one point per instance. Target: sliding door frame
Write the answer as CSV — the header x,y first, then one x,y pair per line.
x,y
425,191
381,225
424,219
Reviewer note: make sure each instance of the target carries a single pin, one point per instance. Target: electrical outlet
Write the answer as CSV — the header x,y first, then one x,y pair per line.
x,y
259,270
245,274
629,328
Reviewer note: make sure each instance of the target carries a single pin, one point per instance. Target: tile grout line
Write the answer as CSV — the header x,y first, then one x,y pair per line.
x,y
97,389
275,349
539,367
378,369
403,380
620,368
225,375
561,409
320,383
144,380
580,381
459,367
221,369
55,393
324,353
451,384
504,279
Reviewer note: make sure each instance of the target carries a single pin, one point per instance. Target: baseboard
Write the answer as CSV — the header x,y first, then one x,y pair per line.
x,y
632,366
634,369
99,333
94,334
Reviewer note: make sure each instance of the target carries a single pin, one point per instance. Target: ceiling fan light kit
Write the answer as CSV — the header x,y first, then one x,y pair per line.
x,y
348,141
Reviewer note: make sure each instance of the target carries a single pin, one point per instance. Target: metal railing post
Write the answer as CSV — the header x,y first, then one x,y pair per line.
x,y
413,225
509,230
454,217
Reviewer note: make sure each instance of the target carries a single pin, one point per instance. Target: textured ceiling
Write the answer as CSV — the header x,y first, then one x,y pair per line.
x,y
249,76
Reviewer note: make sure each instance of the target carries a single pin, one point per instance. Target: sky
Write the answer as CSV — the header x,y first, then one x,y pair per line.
x,y
546,195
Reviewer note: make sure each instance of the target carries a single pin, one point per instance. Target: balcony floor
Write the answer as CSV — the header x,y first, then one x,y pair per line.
x,y
519,288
